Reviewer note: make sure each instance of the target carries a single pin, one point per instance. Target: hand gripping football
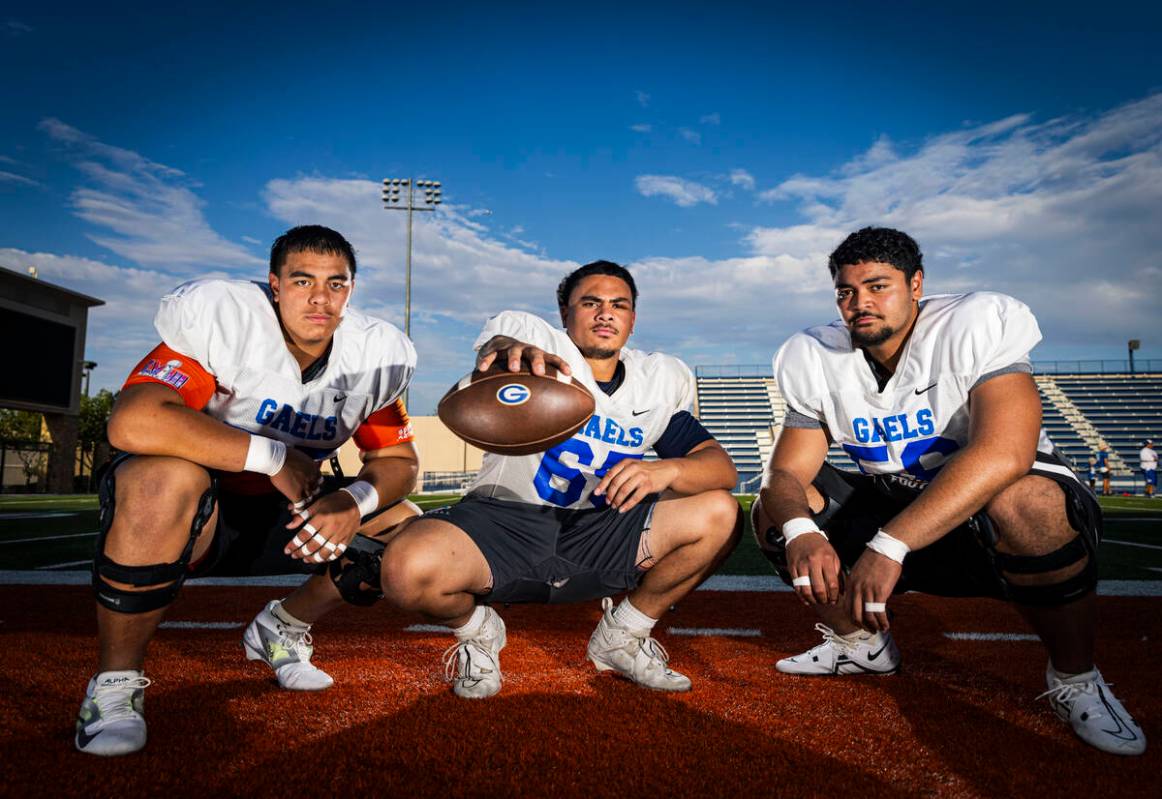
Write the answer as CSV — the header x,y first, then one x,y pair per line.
x,y
515,413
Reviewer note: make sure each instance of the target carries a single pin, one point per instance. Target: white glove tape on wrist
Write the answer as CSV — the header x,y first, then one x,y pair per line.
x,y
889,547
265,456
365,496
800,526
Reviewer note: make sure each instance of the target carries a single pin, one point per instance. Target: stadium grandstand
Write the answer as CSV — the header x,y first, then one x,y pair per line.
x,y
1085,404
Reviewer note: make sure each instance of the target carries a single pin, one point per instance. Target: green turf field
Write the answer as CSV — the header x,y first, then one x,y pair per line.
x,y
58,532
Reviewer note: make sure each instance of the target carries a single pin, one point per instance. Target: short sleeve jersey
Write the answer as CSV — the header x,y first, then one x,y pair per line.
x,y
625,424
223,351
920,417
1148,458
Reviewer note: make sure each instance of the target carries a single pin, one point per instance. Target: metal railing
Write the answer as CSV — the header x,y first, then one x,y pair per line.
x,y
1142,367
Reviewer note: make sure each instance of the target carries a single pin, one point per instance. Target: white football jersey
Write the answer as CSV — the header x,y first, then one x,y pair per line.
x,y
624,425
921,416
230,328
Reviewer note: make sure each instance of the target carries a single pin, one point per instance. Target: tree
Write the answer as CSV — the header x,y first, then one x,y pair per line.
x,y
20,432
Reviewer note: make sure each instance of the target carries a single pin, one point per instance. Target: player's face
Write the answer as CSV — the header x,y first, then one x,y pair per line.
x,y
876,301
600,316
312,290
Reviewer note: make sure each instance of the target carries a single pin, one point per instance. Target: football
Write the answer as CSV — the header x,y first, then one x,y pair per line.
x,y
515,413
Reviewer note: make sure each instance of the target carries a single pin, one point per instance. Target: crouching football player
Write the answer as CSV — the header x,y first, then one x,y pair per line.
x,y
588,518
224,425
961,494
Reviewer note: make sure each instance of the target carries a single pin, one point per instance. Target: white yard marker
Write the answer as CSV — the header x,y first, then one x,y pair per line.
x,y
728,632
992,636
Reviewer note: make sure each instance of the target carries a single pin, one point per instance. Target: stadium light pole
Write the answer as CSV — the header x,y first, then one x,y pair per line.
x,y
393,191
1132,345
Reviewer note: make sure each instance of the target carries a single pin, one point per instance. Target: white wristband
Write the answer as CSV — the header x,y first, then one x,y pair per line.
x,y
365,496
800,526
265,456
889,547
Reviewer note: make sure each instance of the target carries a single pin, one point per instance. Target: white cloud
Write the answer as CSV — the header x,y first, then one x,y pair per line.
x,y
20,180
643,99
681,191
1062,214
13,28
742,178
692,136
711,119
641,127
148,211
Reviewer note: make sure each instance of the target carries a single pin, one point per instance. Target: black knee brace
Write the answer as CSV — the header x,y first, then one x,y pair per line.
x,y
121,600
1060,593
357,568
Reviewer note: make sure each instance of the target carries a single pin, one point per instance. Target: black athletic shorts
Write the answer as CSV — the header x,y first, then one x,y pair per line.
x,y
961,564
541,553
251,530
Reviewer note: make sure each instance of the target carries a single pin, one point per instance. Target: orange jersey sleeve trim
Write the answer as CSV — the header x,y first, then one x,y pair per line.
x,y
385,428
183,374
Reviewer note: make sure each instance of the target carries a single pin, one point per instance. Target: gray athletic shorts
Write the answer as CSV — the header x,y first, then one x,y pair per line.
x,y
541,553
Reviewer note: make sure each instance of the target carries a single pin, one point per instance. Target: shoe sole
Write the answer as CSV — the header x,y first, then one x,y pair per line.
x,y
606,667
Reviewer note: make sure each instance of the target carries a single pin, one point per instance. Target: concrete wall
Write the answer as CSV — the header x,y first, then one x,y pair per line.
x,y
440,450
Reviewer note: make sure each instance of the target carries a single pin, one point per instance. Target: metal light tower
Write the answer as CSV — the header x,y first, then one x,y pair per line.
x,y
392,189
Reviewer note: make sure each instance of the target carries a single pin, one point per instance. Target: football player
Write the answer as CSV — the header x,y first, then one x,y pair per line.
x,y
224,425
589,517
933,399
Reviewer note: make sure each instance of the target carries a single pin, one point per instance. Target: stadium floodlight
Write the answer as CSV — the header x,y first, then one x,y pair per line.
x,y
395,190
399,194
1133,344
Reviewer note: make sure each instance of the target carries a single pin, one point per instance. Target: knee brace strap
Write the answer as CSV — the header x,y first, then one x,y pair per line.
x,y
1060,593
104,569
359,567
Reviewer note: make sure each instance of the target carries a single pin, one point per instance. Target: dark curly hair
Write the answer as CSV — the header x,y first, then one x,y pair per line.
x,y
565,289
882,244
311,238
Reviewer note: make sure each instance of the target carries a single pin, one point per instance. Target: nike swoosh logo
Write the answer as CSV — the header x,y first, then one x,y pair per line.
x,y
920,391
1123,731
84,738
877,653
339,398
639,413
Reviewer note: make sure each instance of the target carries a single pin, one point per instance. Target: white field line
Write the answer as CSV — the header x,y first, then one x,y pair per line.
x,y
730,632
991,636
1130,543
48,538
728,583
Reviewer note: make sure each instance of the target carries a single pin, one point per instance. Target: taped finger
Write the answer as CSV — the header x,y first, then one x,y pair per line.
x,y
801,581
875,607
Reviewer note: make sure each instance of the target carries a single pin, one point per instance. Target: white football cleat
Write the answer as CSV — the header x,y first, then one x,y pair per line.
x,y
860,653
287,649
634,654
111,720
472,664
1095,714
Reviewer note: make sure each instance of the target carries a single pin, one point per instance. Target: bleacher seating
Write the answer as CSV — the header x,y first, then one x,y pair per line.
x,y
741,406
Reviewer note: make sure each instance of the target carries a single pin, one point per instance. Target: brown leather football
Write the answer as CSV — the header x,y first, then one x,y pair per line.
x,y
515,413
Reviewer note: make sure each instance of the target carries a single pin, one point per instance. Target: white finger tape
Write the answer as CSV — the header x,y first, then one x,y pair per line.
x,y
801,581
306,514
330,546
875,607
310,528
320,539
297,542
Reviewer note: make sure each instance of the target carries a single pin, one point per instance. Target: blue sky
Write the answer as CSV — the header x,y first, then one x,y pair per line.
x,y
719,150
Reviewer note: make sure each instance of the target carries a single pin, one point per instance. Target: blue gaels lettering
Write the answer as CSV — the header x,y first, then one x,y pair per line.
x,y
307,426
899,427
609,431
